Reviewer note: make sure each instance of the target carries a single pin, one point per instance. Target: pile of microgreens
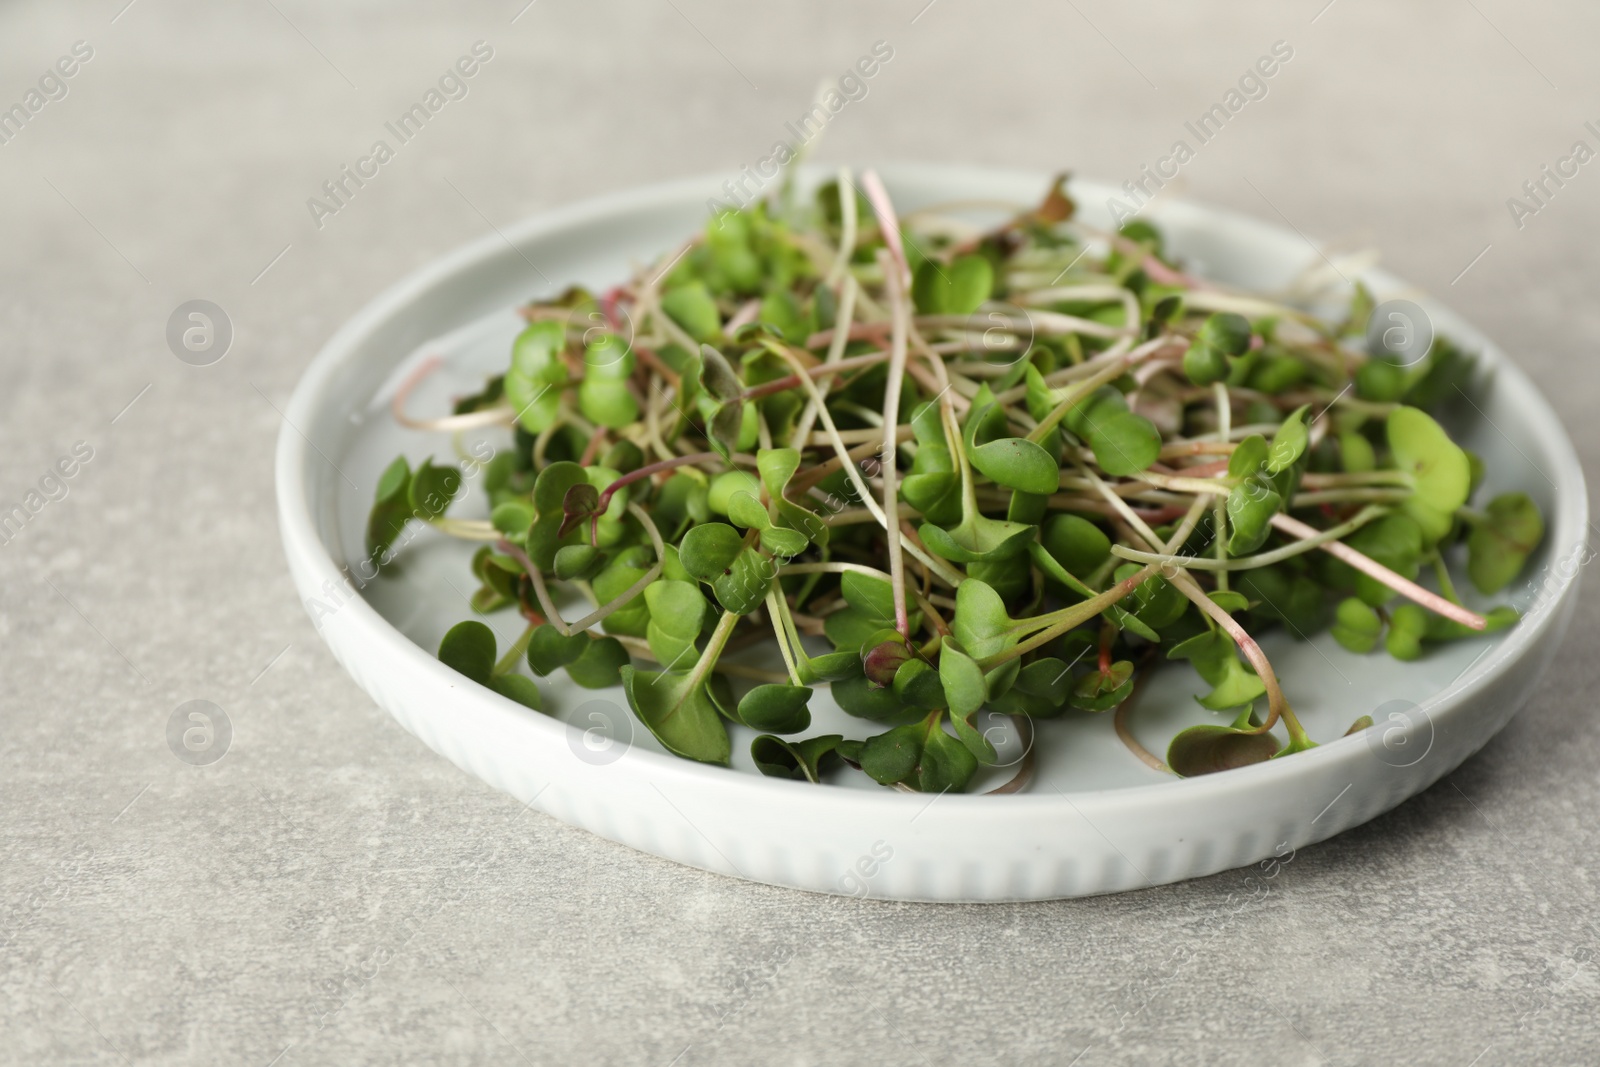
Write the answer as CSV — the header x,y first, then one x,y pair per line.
x,y
1006,470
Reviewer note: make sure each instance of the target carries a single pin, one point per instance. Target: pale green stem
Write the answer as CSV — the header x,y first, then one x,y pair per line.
x,y
891,431
543,594
1359,478
1219,513
1447,585
1069,617
831,568
938,566
636,588
708,658
467,529
776,615
1346,496
847,228
1262,559
518,648
1078,390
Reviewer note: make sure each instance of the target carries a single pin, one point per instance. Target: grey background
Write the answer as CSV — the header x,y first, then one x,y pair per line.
x,y
156,912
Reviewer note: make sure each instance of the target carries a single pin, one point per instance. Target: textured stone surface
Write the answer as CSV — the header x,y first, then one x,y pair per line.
x,y
331,892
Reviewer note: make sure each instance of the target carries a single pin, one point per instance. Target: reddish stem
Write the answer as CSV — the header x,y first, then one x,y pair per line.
x,y
1373,569
789,381
860,331
608,307
515,553
883,207
647,470
591,448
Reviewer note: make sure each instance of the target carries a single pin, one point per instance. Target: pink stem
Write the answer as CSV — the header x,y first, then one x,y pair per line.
x,y
637,475
898,282
878,197
745,314
1373,569
1277,704
778,385
470,420
646,471
414,379
1158,271
861,331
608,307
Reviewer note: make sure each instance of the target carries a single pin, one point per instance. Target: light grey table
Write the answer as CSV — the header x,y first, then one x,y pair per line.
x,y
319,895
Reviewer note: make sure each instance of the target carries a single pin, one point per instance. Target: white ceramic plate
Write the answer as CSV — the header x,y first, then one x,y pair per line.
x,y
1094,820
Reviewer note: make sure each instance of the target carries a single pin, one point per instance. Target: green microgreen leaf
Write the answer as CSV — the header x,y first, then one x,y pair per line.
x,y
1251,506
917,684
921,755
469,647
1227,332
860,698
600,663
549,649
1040,690
1211,748
1076,543
804,761
677,709
620,574
783,543
1289,443
709,550
1216,659
603,394
980,621
1249,457
777,467
577,562
518,687
1204,364
537,375
966,692
692,307
745,510
728,485
1124,443
956,288
743,587
514,518
1408,625
1356,453
779,709
1499,546
1396,541
977,538
933,484
1103,690
432,489
391,508
1357,625
1441,475
1013,462
677,613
